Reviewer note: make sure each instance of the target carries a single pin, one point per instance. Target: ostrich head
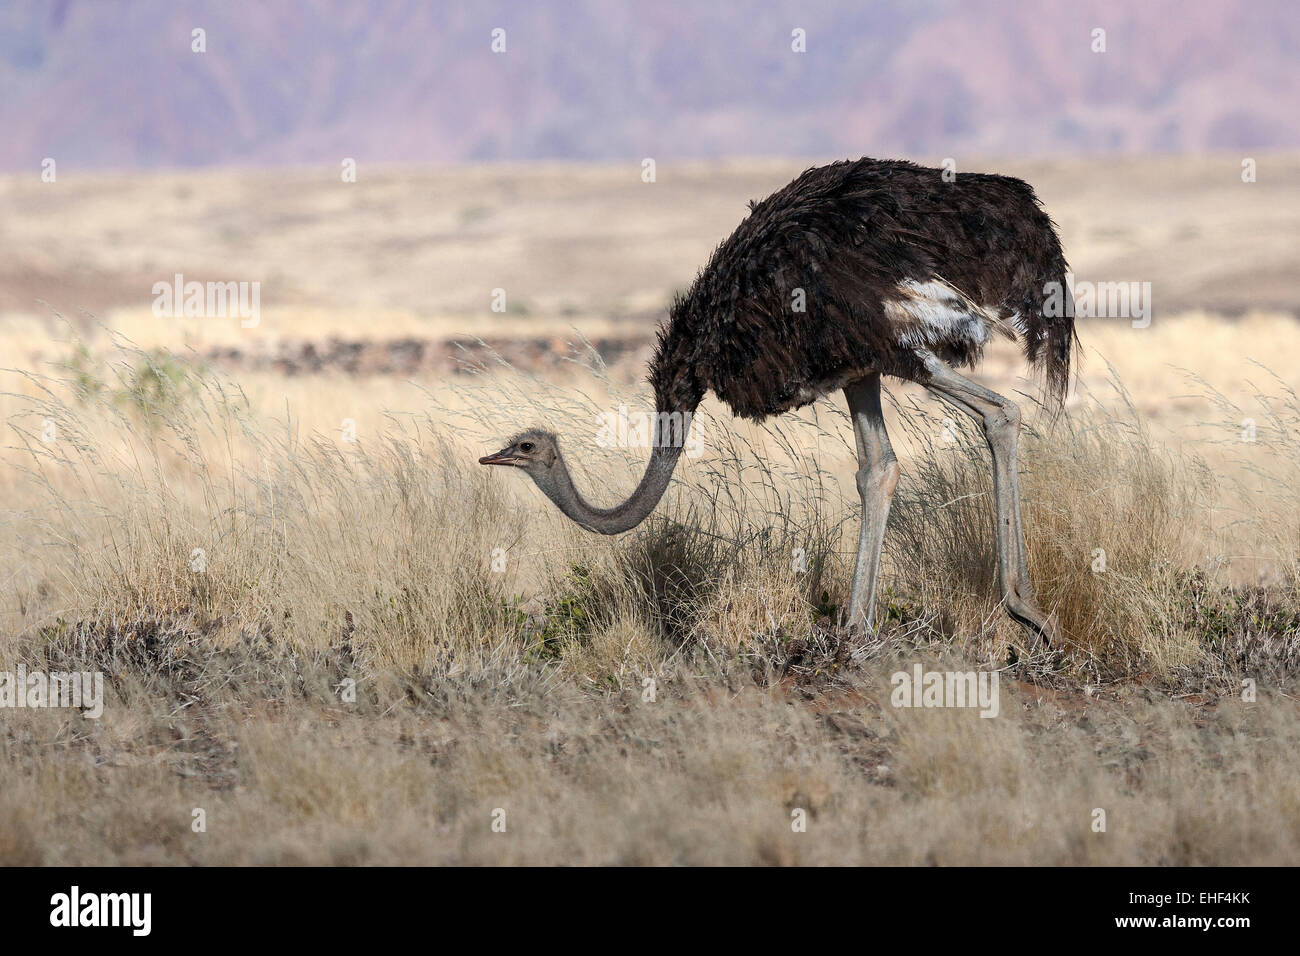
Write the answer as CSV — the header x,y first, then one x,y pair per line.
x,y
537,453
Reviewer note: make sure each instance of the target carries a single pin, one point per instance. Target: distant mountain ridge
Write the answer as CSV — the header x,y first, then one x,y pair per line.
x,y
115,85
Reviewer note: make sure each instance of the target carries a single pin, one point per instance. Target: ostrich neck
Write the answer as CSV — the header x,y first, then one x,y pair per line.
x,y
623,517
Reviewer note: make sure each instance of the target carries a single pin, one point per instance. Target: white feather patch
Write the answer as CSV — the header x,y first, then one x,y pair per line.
x,y
935,314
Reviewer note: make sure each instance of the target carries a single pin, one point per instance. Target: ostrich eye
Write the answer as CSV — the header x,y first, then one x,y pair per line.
x,y
526,446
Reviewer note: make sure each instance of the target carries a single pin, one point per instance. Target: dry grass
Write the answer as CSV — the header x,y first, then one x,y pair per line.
x,y
1113,522
501,657
710,772
522,685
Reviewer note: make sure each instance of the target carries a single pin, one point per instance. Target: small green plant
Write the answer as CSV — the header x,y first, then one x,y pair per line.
x,y
154,383
571,614
825,606
157,385
85,379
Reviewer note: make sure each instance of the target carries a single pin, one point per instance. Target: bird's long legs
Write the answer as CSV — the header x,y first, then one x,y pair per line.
x,y
877,477
1000,419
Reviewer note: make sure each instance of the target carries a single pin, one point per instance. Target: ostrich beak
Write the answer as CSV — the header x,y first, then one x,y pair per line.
x,y
503,457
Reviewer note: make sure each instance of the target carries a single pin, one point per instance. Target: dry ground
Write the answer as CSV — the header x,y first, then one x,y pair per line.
x,y
504,660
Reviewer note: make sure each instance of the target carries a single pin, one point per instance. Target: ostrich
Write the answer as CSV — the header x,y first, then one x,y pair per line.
x,y
900,272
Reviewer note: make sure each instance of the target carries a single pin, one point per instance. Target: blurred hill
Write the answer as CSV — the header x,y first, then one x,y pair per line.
x,y
104,85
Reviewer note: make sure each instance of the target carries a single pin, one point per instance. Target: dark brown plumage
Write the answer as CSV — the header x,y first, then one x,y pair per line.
x,y
850,235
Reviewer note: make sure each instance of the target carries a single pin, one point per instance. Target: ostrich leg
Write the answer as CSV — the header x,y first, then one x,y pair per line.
x,y
1000,419
877,477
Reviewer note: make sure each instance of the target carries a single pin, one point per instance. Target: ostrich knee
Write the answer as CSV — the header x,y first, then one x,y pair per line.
x,y
877,482
1004,423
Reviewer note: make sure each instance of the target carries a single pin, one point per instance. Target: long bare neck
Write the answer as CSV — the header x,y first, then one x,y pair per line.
x,y
667,448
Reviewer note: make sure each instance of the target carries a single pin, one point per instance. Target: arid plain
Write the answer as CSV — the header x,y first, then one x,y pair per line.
x,y
324,625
